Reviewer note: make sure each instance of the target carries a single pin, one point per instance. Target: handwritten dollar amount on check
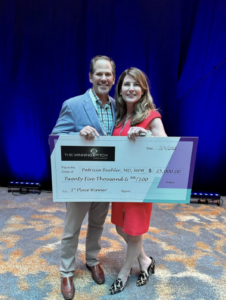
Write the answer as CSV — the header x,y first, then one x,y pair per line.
x,y
113,171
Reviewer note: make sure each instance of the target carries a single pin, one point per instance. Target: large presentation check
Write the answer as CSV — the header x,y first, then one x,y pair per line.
x,y
117,169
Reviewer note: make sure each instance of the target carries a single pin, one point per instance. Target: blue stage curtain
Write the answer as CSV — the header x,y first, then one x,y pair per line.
x,y
45,50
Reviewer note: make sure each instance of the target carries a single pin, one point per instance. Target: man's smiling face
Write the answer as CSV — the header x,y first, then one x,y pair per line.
x,y
102,78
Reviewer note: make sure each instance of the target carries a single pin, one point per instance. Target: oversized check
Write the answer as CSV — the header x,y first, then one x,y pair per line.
x,y
117,169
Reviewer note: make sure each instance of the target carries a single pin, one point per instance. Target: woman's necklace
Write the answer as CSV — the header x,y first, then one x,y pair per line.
x,y
128,116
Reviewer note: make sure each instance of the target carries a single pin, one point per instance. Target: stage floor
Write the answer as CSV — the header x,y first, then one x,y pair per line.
x,y
187,241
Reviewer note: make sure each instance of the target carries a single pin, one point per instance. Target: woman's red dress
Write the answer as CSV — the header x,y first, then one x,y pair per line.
x,y
134,218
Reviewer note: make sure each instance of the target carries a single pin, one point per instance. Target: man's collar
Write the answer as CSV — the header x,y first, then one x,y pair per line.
x,y
96,98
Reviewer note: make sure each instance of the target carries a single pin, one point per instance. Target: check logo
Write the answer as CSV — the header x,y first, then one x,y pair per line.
x,y
94,151
87,153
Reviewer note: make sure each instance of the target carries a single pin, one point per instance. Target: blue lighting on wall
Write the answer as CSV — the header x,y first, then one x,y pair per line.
x,y
44,60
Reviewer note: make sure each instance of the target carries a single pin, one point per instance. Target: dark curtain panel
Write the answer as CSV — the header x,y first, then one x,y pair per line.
x,y
45,50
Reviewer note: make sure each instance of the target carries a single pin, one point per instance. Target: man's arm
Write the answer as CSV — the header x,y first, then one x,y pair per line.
x,y
65,123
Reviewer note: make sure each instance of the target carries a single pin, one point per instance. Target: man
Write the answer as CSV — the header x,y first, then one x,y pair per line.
x,y
89,115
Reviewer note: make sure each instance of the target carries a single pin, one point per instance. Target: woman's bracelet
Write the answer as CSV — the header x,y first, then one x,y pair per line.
x,y
149,133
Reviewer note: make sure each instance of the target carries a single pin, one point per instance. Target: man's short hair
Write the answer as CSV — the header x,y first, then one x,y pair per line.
x,y
94,60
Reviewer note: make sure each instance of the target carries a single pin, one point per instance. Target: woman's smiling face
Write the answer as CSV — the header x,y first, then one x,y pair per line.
x,y
131,90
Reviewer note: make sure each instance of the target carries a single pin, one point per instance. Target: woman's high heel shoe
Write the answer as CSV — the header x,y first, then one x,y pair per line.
x,y
144,276
117,286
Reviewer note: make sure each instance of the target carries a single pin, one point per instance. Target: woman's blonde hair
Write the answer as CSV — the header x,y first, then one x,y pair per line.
x,y
142,107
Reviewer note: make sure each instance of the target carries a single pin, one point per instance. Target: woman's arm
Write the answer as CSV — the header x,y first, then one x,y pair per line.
x,y
156,127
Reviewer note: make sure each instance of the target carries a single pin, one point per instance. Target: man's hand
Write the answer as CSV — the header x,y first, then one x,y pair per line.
x,y
89,133
136,131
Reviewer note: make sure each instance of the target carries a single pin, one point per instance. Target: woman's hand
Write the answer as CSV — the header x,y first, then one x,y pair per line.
x,y
136,131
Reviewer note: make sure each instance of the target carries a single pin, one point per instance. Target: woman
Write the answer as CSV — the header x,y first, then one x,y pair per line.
x,y
136,115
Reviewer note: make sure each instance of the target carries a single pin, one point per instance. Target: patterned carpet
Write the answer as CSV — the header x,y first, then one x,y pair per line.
x,y
188,243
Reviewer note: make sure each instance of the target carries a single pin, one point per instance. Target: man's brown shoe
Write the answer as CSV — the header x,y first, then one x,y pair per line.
x,y
67,288
97,273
